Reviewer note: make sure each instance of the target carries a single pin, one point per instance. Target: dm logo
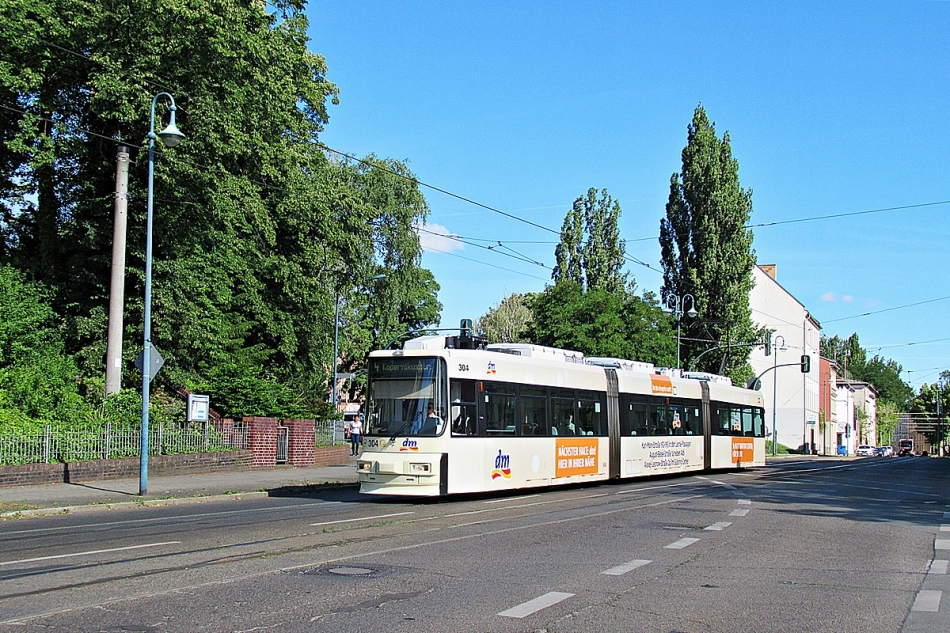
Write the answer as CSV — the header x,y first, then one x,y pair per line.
x,y
409,445
502,466
491,368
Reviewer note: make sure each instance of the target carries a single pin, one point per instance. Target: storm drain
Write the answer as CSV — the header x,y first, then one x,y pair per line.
x,y
349,571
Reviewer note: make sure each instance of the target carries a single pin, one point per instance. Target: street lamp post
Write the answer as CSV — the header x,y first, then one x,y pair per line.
x,y
171,136
336,340
676,303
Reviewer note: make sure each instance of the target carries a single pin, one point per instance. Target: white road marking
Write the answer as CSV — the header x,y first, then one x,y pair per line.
x,y
938,567
941,543
511,499
620,570
533,606
378,516
89,553
719,525
945,527
744,502
683,542
739,513
927,600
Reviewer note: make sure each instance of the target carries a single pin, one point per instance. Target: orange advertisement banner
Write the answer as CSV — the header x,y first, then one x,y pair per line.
x,y
576,456
742,450
662,385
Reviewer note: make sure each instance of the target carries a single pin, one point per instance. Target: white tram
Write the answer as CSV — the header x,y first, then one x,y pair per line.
x,y
450,415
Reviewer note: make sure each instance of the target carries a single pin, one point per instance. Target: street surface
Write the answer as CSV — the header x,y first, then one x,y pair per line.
x,y
800,545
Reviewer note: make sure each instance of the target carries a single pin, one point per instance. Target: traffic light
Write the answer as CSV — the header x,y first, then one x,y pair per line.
x,y
806,363
768,343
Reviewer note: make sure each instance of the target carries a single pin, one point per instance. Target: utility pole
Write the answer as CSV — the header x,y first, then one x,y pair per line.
x,y
117,286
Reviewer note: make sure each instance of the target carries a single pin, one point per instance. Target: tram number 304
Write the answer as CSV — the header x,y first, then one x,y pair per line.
x,y
463,367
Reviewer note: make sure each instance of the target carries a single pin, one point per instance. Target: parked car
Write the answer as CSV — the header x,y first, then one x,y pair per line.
x,y
885,451
865,451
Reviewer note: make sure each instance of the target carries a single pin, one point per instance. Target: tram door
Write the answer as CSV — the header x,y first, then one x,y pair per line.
x,y
613,422
707,426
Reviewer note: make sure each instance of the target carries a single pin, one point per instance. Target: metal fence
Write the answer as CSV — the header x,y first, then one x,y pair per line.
x,y
58,446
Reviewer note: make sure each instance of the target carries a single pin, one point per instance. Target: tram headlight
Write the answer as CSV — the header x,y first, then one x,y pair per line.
x,y
364,467
420,469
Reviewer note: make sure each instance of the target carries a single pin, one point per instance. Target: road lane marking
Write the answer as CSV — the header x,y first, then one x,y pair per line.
x,y
945,527
739,513
620,570
533,606
511,499
744,502
927,600
89,553
683,542
941,543
718,525
938,567
378,516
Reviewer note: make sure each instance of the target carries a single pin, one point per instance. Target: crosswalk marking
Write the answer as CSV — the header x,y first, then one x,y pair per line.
x,y
941,543
938,567
739,513
744,502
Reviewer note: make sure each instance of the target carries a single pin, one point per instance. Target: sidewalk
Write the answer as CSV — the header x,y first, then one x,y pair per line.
x,y
165,490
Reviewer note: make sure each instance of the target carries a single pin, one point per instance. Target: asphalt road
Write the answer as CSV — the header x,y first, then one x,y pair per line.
x,y
809,545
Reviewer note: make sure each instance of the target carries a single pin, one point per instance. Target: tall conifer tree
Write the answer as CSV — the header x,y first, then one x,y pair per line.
x,y
706,250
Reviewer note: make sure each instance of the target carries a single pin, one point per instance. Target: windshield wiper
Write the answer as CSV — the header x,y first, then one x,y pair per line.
x,y
400,430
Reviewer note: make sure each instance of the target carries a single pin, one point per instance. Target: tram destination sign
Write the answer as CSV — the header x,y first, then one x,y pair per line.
x,y
402,367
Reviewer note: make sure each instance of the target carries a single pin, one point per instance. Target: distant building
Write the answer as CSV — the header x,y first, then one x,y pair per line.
x,y
865,411
832,439
846,424
795,395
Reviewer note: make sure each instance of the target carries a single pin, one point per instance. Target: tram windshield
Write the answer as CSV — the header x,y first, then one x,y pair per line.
x,y
406,396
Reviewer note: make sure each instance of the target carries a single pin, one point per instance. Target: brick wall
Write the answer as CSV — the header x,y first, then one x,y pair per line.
x,y
303,442
262,440
106,469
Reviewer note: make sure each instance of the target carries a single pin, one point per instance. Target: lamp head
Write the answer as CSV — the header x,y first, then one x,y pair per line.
x,y
171,135
692,313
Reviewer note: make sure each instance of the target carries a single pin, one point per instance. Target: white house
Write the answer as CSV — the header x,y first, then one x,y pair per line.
x,y
791,396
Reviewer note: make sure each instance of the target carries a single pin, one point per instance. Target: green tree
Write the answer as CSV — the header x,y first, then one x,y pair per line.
x,y
591,252
706,248
601,323
882,373
507,322
257,231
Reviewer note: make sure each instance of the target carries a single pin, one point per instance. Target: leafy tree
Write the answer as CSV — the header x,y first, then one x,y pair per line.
x,y
882,373
507,322
706,248
591,252
934,426
601,323
257,231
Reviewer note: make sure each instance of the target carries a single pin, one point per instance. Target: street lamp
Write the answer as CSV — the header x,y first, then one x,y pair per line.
x,y
676,303
336,339
171,136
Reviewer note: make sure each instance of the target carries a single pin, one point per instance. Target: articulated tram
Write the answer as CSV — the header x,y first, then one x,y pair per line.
x,y
450,415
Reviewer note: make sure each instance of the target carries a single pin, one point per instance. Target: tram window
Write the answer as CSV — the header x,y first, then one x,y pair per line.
x,y
563,411
722,420
758,422
661,417
634,419
499,413
747,428
535,418
692,422
589,417
462,398
535,392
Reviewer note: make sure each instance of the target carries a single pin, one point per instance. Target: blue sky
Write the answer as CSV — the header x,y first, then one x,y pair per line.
x,y
832,108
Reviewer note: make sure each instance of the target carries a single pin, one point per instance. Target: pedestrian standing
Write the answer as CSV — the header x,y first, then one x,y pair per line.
x,y
356,434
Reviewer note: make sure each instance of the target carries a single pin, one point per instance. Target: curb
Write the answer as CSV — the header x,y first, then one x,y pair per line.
x,y
95,506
